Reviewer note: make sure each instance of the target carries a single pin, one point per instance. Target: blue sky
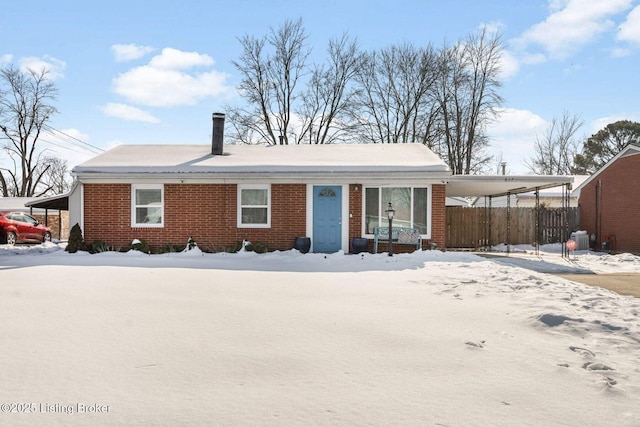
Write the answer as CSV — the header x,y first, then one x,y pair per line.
x,y
154,71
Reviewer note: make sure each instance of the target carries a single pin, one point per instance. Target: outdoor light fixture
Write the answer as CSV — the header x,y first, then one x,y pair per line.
x,y
390,211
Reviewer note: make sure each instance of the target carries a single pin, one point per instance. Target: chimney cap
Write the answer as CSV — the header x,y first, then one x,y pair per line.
x,y
218,115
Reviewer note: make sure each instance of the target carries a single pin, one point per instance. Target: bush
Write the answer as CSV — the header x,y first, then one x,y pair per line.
x,y
99,246
140,245
75,241
191,244
232,249
170,248
258,247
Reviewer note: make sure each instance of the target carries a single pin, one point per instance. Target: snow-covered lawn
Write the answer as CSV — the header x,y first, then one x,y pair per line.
x,y
429,338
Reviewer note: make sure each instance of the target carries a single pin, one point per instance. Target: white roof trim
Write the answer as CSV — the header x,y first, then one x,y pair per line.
x,y
623,153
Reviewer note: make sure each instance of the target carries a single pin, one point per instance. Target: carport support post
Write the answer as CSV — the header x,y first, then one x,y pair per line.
x,y
537,220
485,240
489,219
508,223
566,201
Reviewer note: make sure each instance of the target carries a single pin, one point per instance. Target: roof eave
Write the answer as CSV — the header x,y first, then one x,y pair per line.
x,y
606,165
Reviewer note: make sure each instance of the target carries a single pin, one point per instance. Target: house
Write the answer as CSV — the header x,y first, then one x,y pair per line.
x,y
609,203
220,194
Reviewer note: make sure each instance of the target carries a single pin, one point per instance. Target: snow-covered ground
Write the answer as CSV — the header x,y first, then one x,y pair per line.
x,y
428,338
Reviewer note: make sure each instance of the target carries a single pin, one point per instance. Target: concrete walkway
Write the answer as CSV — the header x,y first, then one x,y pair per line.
x,y
621,283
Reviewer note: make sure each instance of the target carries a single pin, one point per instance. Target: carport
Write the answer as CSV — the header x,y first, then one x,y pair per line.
x,y
491,186
59,203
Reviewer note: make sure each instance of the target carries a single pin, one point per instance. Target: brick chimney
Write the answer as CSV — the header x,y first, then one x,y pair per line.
x,y
217,136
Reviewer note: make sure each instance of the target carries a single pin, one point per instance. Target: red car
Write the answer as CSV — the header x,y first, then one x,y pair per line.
x,y
19,227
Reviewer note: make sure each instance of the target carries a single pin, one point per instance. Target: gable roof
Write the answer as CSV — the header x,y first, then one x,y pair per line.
x,y
277,160
629,150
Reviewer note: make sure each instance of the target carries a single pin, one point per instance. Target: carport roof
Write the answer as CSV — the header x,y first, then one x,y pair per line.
x,y
59,202
501,185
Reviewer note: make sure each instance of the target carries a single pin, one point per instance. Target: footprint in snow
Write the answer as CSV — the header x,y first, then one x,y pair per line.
x,y
474,344
582,351
596,366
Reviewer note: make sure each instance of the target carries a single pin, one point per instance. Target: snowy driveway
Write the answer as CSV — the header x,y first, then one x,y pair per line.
x,y
617,273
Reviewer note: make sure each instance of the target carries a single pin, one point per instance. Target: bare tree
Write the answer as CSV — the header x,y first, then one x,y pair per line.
x,y
555,151
441,98
24,110
394,104
329,95
269,82
469,98
56,178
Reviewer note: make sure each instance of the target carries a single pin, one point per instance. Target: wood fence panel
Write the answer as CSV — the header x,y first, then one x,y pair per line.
x,y
469,227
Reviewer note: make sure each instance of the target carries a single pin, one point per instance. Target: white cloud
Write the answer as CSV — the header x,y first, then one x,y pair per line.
x,y
173,59
630,29
127,112
513,136
129,52
53,65
571,25
602,122
6,58
621,52
557,5
166,81
530,59
492,27
509,65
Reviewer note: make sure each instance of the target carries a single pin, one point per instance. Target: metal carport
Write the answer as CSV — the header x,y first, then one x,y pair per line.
x,y
490,186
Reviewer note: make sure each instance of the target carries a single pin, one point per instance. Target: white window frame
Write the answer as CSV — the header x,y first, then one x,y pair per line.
x,y
134,188
382,206
268,205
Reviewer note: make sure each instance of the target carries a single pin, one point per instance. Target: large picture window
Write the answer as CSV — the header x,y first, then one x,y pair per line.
x,y
411,204
254,206
147,205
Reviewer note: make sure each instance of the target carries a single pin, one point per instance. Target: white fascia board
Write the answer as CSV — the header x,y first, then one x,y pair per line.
x,y
309,178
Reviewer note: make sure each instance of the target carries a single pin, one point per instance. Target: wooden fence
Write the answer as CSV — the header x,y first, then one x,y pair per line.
x,y
469,227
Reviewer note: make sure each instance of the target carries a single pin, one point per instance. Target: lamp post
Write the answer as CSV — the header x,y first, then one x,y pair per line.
x,y
390,213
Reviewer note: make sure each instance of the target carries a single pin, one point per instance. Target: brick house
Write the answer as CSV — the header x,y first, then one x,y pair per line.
x,y
609,203
220,194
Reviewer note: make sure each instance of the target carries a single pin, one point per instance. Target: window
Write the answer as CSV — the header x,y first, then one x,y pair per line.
x,y
147,205
411,204
254,206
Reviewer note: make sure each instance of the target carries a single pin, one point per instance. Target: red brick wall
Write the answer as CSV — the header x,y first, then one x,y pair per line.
x,y
438,216
206,212
619,204
355,211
